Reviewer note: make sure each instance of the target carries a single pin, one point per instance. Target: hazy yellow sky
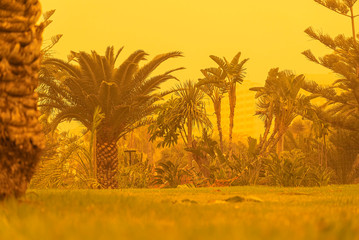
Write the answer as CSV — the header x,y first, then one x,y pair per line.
x,y
270,33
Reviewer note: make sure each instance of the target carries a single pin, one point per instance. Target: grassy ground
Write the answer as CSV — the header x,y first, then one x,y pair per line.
x,y
208,213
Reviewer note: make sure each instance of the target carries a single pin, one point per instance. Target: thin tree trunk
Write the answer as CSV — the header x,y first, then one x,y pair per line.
x,y
276,140
217,111
271,142
268,142
325,152
189,140
232,105
21,137
280,143
268,125
93,162
352,17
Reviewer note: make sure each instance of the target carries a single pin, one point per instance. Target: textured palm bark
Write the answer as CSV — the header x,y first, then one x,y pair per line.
x,y
21,137
106,160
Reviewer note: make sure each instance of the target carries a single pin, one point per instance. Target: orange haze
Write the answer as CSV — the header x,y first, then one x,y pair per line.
x,y
270,33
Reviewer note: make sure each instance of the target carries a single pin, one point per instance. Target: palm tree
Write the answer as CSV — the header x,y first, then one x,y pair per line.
x,y
214,86
21,138
192,108
126,96
235,73
279,102
179,115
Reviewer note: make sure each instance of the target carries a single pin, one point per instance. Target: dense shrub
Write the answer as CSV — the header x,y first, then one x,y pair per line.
x,y
291,169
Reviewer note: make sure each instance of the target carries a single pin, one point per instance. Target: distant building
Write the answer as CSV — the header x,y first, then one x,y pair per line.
x,y
246,122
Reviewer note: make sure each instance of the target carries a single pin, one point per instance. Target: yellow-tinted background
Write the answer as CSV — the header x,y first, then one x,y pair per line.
x,y
269,32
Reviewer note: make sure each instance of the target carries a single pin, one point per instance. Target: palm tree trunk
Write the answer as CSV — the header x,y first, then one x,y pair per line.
x,y
106,161
232,105
189,140
217,111
325,152
280,143
268,125
21,137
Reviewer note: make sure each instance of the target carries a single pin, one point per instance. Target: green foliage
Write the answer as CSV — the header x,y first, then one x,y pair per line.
x,y
212,162
171,174
192,104
339,6
84,166
214,86
233,70
243,169
342,97
279,102
139,175
319,176
205,145
168,124
68,161
343,155
46,50
341,106
213,78
126,94
292,169
247,164
55,169
288,169
179,114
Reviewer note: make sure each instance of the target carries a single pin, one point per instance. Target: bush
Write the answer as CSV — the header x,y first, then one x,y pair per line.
x,y
139,175
292,169
171,174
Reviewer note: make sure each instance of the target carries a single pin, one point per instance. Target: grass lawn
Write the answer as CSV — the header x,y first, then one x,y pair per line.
x,y
204,213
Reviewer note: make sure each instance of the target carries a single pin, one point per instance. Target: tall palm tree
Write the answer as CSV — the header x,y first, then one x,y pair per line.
x,y
214,86
21,138
235,73
279,102
125,94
